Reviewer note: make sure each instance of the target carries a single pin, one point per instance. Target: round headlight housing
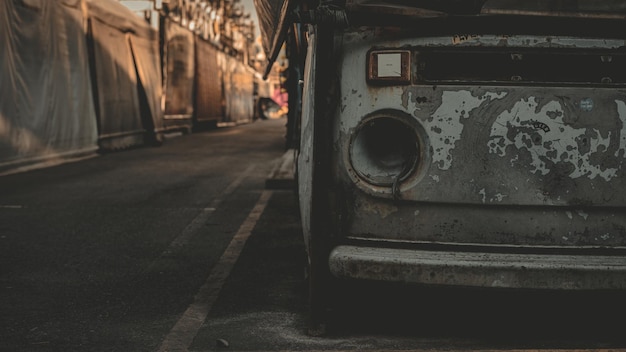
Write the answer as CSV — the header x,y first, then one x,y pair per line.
x,y
385,149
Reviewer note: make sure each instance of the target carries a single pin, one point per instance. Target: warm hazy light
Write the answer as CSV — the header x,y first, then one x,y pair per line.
x,y
22,140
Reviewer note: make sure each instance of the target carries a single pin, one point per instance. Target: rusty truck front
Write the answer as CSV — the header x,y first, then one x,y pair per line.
x,y
464,143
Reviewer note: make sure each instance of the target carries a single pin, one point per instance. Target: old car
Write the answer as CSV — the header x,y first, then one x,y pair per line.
x,y
460,143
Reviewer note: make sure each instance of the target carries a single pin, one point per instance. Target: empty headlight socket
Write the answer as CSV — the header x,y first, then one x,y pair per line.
x,y
386,149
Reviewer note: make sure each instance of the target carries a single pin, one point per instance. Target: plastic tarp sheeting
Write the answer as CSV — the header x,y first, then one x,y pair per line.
x,y
273,25
209,88
179,72
119,117
238,89
148,64
46,106
117,33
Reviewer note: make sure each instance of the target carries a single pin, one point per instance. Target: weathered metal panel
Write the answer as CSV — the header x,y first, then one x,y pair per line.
x,y
516,165
535,145
504,226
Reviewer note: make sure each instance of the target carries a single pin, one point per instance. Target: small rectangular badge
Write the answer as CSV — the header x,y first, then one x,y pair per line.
x,y
389,67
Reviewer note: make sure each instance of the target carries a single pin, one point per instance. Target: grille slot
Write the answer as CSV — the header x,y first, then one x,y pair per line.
x,y
521,67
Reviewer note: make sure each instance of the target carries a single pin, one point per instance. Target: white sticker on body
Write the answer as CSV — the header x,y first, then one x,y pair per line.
x,y
389,65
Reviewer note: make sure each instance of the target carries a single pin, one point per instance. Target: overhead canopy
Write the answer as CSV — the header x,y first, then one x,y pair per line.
x,y
273,25
274,19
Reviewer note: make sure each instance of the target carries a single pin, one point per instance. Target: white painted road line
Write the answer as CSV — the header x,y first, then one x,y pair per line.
x,y
202,217
182,334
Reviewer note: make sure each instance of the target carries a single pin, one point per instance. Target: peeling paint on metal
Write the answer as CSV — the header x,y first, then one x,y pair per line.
x,y
446,122
458,39
543,133
621,110
498,197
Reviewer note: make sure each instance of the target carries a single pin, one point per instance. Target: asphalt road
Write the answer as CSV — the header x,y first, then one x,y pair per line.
x,y
184,247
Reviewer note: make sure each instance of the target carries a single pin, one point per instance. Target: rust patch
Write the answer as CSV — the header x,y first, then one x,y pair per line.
x,y
378,208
